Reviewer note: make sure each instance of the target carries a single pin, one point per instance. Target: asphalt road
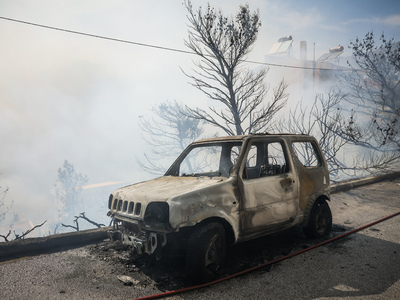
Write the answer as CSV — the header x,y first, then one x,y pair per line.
x,y
364,265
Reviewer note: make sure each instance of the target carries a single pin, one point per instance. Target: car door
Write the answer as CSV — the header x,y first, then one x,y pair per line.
x,y
269,188
312,170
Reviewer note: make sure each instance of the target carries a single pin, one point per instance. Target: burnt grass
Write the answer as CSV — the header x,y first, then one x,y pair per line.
x,y
168,273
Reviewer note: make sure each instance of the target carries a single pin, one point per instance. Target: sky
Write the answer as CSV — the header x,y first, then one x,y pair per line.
x,y
71,97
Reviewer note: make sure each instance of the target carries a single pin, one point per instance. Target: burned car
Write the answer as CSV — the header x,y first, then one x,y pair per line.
x,y
223,191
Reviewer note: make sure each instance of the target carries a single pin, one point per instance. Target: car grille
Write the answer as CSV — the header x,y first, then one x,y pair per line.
x,y
127,207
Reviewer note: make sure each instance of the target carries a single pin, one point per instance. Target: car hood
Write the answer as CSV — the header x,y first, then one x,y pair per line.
x,y
164,188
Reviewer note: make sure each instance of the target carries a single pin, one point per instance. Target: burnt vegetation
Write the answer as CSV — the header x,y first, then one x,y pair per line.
x,y
20,236
83,217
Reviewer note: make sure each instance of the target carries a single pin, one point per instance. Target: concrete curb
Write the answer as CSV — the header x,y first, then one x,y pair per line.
x,y
351,184
52,243
57,242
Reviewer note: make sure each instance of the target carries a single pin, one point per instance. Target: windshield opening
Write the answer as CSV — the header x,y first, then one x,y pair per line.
x,y
212,160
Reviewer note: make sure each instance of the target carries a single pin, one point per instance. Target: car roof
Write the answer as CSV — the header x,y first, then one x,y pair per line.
x,y
237,138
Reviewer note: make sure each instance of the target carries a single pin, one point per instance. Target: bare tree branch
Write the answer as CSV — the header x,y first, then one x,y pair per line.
x,y
17,237
98,225
5,237
82,216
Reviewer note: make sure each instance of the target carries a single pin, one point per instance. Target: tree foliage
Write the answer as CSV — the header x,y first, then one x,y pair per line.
x,y
222,45
168,132
374,86
67,189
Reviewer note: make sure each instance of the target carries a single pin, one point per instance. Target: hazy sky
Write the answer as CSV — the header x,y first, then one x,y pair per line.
x,y
70,97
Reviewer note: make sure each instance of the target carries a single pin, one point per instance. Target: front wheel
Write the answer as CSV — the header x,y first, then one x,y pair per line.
x,y
320,221
206,252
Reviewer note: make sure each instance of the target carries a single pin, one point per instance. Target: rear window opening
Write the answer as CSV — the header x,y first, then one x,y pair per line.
x,y
307,154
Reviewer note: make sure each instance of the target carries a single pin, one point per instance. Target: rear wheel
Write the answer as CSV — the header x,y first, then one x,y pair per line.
x,y
206,252
320,221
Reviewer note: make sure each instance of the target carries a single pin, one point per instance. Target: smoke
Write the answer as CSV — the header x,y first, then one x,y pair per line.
x,y
75,98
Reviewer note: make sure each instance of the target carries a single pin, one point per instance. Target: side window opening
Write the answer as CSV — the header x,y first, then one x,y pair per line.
x,y
306,154
276,160
265,159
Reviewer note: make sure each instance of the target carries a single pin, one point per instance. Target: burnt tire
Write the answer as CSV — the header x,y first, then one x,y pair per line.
x,y
320,221
206,253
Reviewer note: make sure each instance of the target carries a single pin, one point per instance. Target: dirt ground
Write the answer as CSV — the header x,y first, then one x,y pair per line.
x,y
364,265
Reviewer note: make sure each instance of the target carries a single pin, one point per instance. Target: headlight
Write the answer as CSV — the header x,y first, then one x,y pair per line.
x,y
157,212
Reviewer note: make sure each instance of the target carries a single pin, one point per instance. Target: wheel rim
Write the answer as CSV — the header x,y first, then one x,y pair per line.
x,y
213,254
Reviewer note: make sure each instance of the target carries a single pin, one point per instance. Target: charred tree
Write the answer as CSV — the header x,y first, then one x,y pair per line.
x,y
222,45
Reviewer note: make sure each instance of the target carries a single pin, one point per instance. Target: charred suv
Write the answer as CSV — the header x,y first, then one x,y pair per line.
x,y
224,191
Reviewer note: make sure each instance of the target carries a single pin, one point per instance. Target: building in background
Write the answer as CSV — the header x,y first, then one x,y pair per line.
x,y
305,77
